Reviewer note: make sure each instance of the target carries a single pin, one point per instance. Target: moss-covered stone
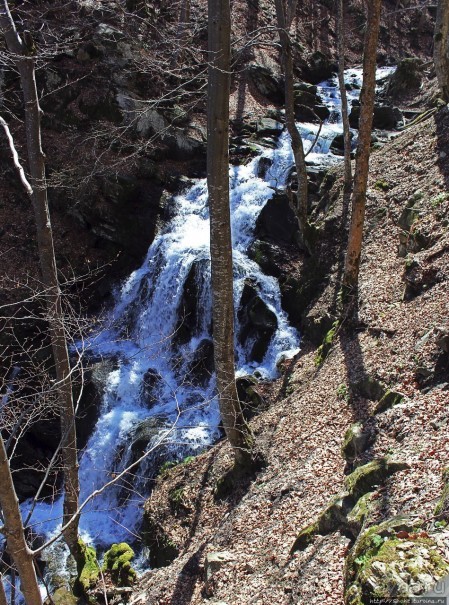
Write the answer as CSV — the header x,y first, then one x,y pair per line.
x,y
364,478
356,440
162,551
393,559
88,568
117,560
62,596
442,508
356,518
388,400
325,347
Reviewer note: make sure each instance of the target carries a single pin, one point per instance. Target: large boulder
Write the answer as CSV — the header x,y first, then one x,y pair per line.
x,y
277,221
258,322
308,104
338,144
319,67
202,365
406,80
188,312
385,117
267,83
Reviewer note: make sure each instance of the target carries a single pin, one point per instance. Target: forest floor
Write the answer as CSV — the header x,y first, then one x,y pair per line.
x,y
403,307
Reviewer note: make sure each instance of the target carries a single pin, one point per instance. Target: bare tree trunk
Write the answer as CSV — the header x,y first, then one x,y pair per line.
x,y
15,535
234,424
344,96
300,206
3,600
22,52
184,18
352,261
441,47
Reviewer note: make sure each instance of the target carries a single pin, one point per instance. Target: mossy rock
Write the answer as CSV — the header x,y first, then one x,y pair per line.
x,y
365,477
390,399
358,515
369,387
162,551
117,560
88,568
442,508
356,440
62,596
392,559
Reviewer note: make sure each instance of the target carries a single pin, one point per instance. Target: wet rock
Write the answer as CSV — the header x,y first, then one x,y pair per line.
x,y
277,221
315,114
189,312
267,127
385,117
319,68
338,144
267,83
202,365
150,381
257,322
144,433
264,167
268,256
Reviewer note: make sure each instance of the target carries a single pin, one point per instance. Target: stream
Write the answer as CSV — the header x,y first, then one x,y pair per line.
x,y
155,397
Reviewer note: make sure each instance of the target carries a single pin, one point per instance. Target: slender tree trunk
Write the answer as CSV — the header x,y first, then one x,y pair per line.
x,y
21,51
344,96
184,19
3,600
352,262
234,424
300,206
15,535
441,47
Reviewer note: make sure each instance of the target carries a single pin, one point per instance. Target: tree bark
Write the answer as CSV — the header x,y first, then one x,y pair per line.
x,y
14,532
300,206
352,261
219,32
441,47
25,64
344,96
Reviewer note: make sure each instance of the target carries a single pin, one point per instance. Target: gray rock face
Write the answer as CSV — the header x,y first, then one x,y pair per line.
x,y
258,322
267,83
385,117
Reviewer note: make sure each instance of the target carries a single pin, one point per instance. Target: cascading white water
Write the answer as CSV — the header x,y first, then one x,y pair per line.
x,y
142,338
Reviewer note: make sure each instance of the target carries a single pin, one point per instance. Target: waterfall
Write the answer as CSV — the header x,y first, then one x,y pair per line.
x,y
151,394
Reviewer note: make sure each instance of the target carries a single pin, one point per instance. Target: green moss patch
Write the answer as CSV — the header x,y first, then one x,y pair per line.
x,y
88,568
117,560
393,558
364,478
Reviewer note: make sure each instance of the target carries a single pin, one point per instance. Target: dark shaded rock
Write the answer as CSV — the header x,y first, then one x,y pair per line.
x,y
387,401
263,167
267,127
407,78
277,221
338,144
202,365
315,325
257,322
442,339
314,114
249,397
188,312
268,256
319,68
370,388
385,117
162,551
144,433
151,379
267,83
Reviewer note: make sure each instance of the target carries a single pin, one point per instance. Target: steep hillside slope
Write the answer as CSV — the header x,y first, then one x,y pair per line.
x,y
388,371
